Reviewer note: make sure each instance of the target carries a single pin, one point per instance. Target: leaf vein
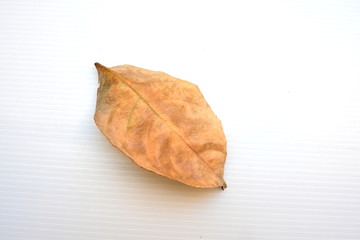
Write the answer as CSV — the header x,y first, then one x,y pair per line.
x,y
131,113
157,114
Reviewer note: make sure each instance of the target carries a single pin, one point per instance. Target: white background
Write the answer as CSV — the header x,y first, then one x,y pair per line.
x,y
283,76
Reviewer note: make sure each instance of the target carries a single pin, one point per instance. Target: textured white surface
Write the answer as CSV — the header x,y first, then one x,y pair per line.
x,y
283,77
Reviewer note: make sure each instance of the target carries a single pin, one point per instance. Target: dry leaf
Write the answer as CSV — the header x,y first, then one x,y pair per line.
x,y
162,123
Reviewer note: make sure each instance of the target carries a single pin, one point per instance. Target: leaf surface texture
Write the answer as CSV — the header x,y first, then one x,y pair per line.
x,y
162,123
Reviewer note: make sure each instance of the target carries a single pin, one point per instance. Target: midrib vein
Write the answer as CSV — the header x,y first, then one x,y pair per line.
x,y
156,113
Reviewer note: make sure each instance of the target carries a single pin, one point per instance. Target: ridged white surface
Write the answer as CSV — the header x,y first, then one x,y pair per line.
x,y
283,77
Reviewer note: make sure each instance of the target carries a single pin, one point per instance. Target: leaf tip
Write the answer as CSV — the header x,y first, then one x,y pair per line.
x,y
101,68
223,186
98,65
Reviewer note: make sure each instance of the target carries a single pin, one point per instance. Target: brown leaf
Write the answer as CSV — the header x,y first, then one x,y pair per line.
x,y
162,123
